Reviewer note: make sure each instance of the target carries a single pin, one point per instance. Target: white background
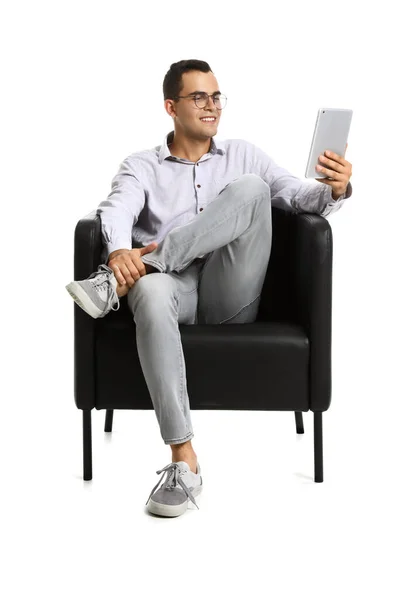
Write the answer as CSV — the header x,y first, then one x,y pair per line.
x,y
82,89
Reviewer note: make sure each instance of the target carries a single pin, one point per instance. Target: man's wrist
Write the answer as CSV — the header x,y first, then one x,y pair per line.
x,y
337,196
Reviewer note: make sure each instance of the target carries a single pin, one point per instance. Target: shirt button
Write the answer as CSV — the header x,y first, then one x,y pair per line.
x,y
198,185
200,209
197,164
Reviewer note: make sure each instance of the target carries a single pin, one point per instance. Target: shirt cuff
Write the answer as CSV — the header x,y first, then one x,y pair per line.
x,y
334,205
117,245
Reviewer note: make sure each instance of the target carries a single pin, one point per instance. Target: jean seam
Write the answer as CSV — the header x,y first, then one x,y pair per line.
x,y
186,293
181,398
241,309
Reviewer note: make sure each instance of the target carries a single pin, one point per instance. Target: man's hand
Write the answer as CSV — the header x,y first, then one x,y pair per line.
x,y
336,167
127,264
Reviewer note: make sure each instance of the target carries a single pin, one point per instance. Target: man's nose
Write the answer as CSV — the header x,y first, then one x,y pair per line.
x,y
210,102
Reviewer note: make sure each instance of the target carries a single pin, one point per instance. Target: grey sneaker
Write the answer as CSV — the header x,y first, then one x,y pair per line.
x,y
97,294
181,484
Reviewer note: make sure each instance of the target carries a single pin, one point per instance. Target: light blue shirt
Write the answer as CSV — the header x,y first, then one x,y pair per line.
x,y
154,191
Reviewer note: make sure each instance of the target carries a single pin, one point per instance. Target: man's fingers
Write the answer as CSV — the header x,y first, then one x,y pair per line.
x,y
132,268
118,274
130,273
338,176
138,253
335,157
137,262
124,276
337,166
149,248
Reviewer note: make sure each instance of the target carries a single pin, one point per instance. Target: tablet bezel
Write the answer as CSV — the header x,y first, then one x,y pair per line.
x,y
327,138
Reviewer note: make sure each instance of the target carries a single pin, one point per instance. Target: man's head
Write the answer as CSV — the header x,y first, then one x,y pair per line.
x,y
190,77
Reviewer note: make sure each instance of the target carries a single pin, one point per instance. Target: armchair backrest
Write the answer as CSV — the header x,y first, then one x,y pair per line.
x,y
300,244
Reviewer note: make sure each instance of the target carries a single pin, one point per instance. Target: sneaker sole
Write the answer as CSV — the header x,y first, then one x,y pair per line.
x,y
168,510
83,300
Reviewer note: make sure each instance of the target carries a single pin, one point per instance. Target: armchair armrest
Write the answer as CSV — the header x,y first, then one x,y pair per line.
x,y
88,245
298,289
311,265
87,254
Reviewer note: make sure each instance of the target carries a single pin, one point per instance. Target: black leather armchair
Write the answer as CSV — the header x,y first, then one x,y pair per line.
x,y
280,362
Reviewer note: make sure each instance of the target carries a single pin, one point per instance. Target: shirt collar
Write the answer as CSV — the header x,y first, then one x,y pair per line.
x,y
215,147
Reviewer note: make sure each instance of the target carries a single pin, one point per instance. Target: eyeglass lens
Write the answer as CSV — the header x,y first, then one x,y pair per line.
x,y
202,99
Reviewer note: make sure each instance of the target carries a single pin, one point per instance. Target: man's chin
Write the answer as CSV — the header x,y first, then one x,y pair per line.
x,y
209,131
207,136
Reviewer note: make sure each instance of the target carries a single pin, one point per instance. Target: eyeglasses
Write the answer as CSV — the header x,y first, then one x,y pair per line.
x,y
220,100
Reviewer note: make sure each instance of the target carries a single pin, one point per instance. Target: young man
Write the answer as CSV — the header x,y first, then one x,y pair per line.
x,y
187,237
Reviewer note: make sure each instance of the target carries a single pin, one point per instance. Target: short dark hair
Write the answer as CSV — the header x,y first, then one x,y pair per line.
x,y
173,84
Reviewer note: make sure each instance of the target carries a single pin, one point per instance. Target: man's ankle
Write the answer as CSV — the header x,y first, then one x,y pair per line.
x,y
191,461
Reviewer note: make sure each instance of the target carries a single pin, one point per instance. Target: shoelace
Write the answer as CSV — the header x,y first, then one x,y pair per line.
x,y
174,477
102,279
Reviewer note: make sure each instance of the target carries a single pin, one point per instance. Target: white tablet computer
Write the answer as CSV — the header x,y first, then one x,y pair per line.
x,y
330,133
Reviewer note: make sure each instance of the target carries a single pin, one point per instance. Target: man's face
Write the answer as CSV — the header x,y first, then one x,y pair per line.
x,y
188,115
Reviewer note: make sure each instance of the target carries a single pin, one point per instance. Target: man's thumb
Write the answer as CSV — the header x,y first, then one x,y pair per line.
x,y
149,248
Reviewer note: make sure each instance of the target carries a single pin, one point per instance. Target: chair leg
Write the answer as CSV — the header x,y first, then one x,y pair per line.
x,y
299,422
318,446
87,445
108,423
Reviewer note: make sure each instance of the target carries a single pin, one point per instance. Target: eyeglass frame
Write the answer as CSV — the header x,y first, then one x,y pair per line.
x,y
201,94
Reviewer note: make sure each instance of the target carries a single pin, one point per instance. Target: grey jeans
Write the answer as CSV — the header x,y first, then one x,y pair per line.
x,y
211,271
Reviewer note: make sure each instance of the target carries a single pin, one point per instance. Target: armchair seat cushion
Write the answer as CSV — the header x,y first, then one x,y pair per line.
x,y
251,366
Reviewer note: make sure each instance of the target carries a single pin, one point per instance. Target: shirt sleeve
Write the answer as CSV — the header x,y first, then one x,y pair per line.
x,y
333,205
291,193
120,211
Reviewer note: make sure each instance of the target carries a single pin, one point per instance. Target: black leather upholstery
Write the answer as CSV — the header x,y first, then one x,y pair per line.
x,y
280,362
